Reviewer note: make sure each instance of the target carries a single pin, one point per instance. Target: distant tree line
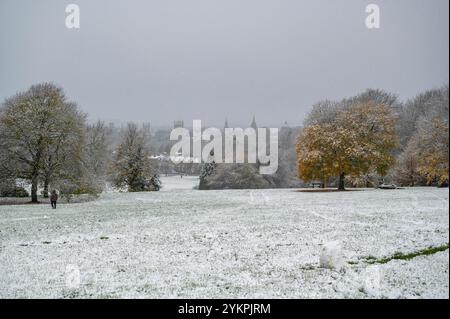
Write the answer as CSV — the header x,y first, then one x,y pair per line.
x,y
46,141
424,140
373,137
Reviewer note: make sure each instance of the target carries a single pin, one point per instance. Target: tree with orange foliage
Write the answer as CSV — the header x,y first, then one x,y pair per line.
x,y
358,139
431,146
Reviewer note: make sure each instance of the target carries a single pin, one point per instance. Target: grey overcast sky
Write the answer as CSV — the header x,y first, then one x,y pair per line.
x,y
163,60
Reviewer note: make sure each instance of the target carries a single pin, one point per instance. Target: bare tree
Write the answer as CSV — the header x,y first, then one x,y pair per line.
x,y
96,156
423,131
65,145
39,131
374,97
432,103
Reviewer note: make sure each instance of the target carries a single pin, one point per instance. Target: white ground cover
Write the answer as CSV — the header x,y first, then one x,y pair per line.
x,y
182,242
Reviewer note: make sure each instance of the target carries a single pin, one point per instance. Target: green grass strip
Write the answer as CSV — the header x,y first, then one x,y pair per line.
x,y
409,256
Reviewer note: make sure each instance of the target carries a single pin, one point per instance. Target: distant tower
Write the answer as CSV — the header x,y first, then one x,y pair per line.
x,y
146,127
255,127
226,123
254,123
178,124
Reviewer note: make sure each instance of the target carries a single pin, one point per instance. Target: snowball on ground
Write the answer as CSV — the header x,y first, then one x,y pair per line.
x,y
331,256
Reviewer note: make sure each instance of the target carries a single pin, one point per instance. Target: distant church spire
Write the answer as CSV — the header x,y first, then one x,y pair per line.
x,y
253,122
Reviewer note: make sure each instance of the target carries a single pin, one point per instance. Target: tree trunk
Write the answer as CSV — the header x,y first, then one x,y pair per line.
x,y
341,182
46,188
34,187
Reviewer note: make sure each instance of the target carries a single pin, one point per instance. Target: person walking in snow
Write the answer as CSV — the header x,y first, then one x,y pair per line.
x,y
53,198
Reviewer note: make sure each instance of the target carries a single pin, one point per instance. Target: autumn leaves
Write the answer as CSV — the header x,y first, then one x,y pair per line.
x,y
347,139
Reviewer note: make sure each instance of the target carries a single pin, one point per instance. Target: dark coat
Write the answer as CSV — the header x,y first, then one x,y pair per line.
x,y
54,197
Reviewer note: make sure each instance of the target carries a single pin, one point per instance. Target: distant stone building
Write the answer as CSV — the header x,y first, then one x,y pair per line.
x,y
178,124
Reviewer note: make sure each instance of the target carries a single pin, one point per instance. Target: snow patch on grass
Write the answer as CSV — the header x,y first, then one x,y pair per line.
x,y
181,242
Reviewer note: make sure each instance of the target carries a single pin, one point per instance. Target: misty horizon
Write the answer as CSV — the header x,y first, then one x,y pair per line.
x,y
149,61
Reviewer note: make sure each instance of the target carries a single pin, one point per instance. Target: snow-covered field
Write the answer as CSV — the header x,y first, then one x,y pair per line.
x,y
181,242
